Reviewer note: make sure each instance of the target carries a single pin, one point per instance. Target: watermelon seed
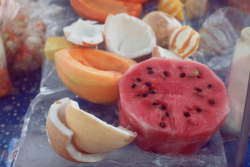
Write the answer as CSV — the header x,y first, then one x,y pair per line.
x,y
148,84
209,86
198,76
155,103
211,101
182,75
138,79
198,110
150,72
165,73
152,91
163,125
163,107
144,95
198,89
167,114
186,114
134,85
149,68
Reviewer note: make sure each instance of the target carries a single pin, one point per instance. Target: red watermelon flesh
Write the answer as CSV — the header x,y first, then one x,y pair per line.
x,y
175,106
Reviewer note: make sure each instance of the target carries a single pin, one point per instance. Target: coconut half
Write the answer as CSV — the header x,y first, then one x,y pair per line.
x,y
94,135
85,33
128,36
163,24
165,53
60,136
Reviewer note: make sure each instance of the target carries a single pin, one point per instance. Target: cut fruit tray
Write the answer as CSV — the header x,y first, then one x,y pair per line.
x,y
34,148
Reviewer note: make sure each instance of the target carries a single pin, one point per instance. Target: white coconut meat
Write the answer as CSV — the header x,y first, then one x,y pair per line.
x,y
84,33
128,36
165,53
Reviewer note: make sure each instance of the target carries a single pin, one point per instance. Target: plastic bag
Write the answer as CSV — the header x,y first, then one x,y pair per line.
x,y
5,83
23,36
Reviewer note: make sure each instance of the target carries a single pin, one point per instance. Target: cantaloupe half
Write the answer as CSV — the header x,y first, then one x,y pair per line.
x,y
92,74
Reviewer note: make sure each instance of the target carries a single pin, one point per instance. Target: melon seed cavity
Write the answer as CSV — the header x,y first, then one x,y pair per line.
x,y
138,79
163,125
198,110
163,107
155,103
211,101
152,91
150,70
165,73
167,114
198,89
148,84
186,114
182,75
133,85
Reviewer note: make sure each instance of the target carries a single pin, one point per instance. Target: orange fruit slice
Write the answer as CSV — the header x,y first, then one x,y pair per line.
x,y
92,74
99,9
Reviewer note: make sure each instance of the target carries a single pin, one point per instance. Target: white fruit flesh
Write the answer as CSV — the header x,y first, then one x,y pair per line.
x,y
128,36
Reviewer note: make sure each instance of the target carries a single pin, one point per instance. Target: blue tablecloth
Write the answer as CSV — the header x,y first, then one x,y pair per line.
x,y
12,112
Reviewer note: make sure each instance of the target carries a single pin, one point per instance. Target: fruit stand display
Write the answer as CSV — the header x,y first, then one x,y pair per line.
x,y
135,82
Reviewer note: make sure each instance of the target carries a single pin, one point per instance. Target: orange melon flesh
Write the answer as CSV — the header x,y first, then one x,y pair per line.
x,y
91,74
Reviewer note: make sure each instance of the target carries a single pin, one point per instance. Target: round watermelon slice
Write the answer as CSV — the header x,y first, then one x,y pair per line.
x,y
175,106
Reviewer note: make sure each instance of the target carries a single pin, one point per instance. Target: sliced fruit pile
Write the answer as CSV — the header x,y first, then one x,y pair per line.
x,y
174,106
79,136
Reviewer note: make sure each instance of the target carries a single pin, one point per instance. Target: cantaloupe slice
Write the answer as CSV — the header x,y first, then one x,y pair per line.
x,y
92,74
60,136
94,135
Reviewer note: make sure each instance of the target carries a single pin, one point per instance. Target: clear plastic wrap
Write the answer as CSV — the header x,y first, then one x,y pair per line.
x,y
34,149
